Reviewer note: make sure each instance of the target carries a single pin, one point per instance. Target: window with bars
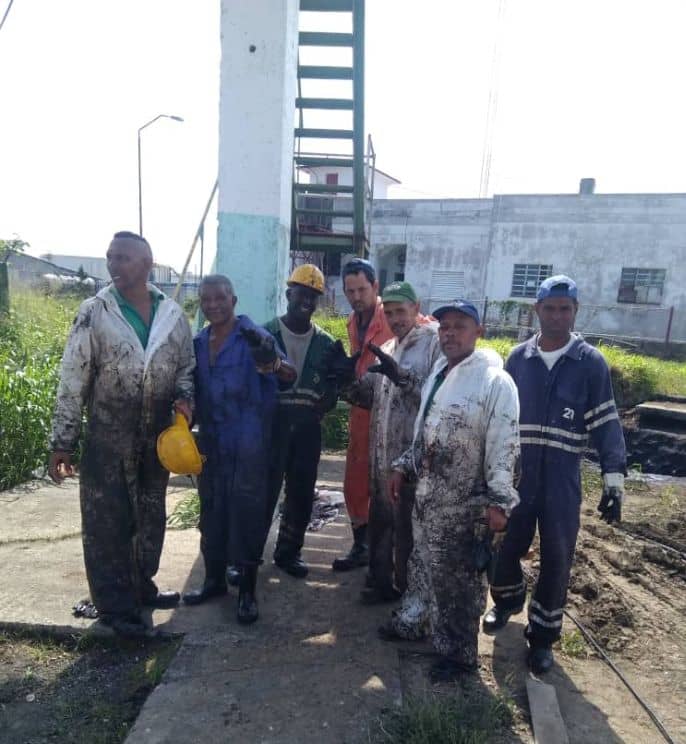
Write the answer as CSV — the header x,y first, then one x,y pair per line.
x,y
527,278
641,286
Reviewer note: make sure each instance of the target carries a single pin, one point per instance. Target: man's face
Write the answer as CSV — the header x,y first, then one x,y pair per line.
x,y
457,334
556,316
302,301
129,263
361,293
217,303
401,317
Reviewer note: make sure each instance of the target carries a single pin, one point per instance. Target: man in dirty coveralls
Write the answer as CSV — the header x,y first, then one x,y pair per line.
x,y
465,448
391,389
129,361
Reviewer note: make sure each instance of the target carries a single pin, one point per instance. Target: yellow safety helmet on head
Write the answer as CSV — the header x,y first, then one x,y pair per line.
x,y
307,275
177,450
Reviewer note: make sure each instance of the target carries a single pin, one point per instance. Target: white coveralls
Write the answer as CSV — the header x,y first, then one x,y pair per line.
x,y
464,455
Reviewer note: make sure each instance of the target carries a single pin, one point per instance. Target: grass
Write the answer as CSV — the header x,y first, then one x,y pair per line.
x,y
574,646
445,720
186,514
32,337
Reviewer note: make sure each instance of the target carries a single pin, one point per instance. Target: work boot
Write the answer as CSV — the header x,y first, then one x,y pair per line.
x,y
294,566
128,626
233,576
359,553
162,600
540,659
247,601
211,588
447,669
497,617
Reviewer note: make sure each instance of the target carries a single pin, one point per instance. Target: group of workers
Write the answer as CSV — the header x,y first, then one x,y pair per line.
x,y
448,448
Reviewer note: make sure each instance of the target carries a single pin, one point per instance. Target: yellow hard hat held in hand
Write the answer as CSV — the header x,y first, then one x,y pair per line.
x,y
177,449
307,275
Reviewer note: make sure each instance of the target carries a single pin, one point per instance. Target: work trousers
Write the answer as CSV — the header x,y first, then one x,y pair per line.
x,y
556,512
297,447
389,535
123,519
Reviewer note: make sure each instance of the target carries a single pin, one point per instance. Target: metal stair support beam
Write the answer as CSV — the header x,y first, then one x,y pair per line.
x,y
309,161
321,188
360,240
320,72
327,6
332,104
323,133
324,38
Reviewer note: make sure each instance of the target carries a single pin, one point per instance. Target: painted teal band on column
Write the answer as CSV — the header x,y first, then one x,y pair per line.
x,y
253,252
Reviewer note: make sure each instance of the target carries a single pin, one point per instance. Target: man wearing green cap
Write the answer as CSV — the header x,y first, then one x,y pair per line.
x,y
391,389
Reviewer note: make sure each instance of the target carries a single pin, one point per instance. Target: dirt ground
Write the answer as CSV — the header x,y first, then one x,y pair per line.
x,y
314,664
75,689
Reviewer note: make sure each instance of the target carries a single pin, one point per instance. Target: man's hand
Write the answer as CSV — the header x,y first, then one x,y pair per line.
x,y
183,406
59,466
496,519
262,348
395,483
387,365
610,506
339,365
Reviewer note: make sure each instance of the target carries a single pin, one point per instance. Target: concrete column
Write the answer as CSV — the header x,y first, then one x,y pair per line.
x,y
257,107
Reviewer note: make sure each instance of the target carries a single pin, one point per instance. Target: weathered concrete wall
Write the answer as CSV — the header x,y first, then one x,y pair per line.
x,y
257,107
591,237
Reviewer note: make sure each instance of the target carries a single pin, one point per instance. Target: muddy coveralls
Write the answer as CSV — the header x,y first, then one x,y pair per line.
x,y
464,453
356,480
393,412
128,393
297,441
235,407
560,408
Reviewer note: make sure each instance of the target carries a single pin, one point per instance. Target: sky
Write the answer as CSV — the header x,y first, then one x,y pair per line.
x,y
590,88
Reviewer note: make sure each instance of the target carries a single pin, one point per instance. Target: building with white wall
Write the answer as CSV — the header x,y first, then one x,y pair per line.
x,y
626,251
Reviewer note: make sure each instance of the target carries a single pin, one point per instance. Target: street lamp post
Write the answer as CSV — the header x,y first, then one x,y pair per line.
x,y
140,182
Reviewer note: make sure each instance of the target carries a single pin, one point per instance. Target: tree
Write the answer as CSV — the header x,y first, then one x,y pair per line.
x,y
15,245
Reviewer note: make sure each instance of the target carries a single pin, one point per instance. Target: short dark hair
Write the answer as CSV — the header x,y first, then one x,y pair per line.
x,y
128,235
214,280
358,266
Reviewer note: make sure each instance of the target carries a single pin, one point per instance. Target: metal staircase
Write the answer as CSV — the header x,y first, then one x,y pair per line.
x,y
331,217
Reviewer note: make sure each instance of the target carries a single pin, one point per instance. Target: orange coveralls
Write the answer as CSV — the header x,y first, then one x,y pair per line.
x,y
356,483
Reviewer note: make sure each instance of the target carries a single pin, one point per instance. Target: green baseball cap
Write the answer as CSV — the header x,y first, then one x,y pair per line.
x,y
399,292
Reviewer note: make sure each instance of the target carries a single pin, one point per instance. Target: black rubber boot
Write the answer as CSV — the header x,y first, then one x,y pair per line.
x,y
233,576
358,555
497,617
213,587
247,600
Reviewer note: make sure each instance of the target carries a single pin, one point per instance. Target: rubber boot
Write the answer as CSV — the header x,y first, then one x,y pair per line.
x,y
247,599
359,553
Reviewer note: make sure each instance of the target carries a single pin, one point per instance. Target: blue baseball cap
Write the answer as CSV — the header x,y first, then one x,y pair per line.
x,y
557,286
460,306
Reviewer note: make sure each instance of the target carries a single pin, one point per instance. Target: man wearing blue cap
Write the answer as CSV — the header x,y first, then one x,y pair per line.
x,y
462,457
566,395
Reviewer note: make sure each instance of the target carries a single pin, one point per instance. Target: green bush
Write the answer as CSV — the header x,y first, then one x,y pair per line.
x,y
32,337
336,325
335,427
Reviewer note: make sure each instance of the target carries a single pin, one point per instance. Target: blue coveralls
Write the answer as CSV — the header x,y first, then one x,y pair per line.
x,y
560,408
235,406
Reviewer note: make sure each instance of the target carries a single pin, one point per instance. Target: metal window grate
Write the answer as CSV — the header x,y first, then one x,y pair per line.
x,y
527,278
641,286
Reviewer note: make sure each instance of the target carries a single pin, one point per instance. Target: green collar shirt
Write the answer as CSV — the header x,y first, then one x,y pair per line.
x,y
134,319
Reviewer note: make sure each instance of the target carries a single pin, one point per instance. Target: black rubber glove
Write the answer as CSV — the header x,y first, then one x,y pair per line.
x,y
387,366
262,347
482,552
610,506
339,365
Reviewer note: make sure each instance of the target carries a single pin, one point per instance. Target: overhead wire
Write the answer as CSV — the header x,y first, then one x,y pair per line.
x,y
6,13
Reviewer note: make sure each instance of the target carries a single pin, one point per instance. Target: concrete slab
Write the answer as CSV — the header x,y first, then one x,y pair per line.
x,y
654,409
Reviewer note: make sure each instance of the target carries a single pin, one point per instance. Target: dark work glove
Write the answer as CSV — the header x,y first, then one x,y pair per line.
x,y
339,365
482,552
387,366
610,506
262,347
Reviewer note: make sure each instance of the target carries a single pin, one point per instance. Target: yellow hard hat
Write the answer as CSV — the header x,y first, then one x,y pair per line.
x,y
177,450
309,276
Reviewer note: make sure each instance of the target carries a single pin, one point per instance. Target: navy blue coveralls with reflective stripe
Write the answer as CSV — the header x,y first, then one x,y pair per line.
x,y
560,409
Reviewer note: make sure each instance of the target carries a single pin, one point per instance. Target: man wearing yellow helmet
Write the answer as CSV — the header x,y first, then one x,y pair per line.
x,y
297,432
